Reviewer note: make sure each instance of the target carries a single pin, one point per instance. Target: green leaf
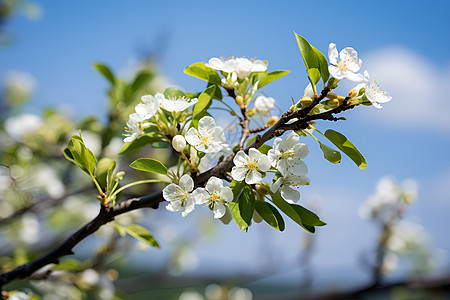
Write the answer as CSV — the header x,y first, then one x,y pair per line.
x,y
200,70
264,149
236,187
340,141
169,92
161,145
242,210
104,168
149,165
141,141
77,152
307,216
204,101
315,62
330,154
106,72
297,213
269,77
270,214
142,234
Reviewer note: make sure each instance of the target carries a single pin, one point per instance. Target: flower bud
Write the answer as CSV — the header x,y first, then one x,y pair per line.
x,y
251,112
272,121
332,103
352,93
179,143
239,100
306,101
331,95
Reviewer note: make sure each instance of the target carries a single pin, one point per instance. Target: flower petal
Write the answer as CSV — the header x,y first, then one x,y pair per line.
x,y
219,210
264,163
214,184
186,183
253,177
238,173
216,63
192,137
289,194
332,54
240,158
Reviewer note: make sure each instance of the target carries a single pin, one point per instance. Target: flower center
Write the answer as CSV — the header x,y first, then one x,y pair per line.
x,y
375,88
287,155
214,197
251,164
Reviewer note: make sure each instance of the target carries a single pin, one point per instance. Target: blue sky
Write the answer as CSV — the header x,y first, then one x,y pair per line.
x,y
403,45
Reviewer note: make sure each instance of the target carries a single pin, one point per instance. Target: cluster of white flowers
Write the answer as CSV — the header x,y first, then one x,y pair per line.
x,y
346,64
241,66
182,197
149,107
286,156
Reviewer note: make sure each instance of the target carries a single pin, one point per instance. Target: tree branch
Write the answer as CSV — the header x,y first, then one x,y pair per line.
x,y
106,215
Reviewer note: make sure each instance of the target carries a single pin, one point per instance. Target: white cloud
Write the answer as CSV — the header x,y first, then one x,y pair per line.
x,y
418,89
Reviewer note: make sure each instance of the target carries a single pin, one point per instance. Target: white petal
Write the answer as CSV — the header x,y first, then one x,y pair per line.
x,y
187,208
275,186
264,163
259,66
253,177
290,141
199,196
159,97
332,54
171,192
207,122
296,167
254,154
238,173
215,63
186,183
335,72
226,194
174,206
273,158
240,158
289,194
219,210
309,92
213,184
230,65
218,134
300,151
192,137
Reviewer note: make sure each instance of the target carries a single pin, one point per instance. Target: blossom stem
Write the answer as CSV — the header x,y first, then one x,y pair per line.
x,y
135,183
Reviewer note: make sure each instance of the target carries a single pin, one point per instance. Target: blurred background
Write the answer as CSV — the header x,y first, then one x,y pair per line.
x,y
50,89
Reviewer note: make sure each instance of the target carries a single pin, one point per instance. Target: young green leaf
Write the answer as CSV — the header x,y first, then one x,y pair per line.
x,y
340,141
149,165
106,72
200,70
315,62
242,210
330,154
270,214
297,213
271,76
77,152
204,101
142,234
104,167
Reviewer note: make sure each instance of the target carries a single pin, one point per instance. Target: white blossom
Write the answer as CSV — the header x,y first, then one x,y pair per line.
x,y
287,153
242,66
176,103
246,166
133,128
179,196
215,195
245,67
209,138
264,104
345,65
373,91
148,107
288,193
